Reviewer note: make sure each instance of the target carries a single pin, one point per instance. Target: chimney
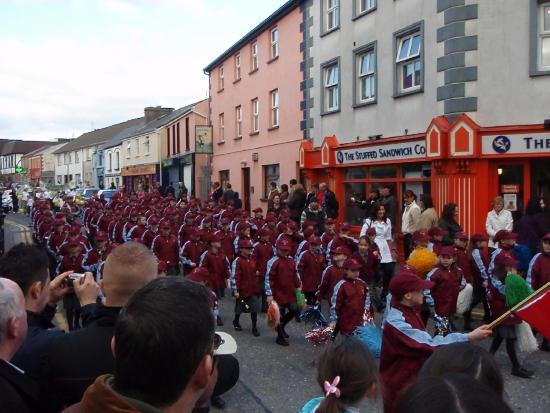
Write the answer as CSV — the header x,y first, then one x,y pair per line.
x,y
154,112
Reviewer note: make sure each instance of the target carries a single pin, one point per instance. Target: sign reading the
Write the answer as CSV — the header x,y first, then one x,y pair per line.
x,y
516,144
381,153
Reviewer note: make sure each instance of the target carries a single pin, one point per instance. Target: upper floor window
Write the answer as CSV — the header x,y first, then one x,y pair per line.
x,y
237,66
274,43
366,76
255,104
76,157
331,87
137,147
220,78
254,56
332,14
544,36
275,108
89,154
408,60
117,160
239,121
363,6
147,145
110,164
59,161
221,127
129,149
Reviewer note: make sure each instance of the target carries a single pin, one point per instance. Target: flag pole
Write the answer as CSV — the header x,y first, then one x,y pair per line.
x,y
518,306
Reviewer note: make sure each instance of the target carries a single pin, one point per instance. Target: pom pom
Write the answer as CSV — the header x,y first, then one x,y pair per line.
x,y
526,341
517,290
273,315
319,336
371,336
314,317
423,260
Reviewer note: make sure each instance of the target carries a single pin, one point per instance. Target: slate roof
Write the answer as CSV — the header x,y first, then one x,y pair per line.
x,y
165,119
119,137
22,147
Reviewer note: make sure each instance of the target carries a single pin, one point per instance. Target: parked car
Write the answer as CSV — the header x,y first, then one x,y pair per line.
x,y
87,193
107,193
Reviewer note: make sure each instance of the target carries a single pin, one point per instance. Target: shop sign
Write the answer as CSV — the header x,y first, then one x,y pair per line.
x,y
167,163
516,144
509,189
381,153
203,139
139,170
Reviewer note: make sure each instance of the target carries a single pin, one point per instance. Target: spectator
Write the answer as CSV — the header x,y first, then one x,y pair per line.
x,y
498,218
449,224
18,392
452,393
312,194
128,268
272,192
389,201
237,202
228,194
428,218
296,202
410,221
330,204
164,350
314,213
112,186
182,190
14,200
170,190
465,358
276,206
292,183
369,203
28,267
217,192
284,193
531,227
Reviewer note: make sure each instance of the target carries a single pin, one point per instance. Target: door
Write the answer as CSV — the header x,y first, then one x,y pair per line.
x,y
540,184
246,189
512,186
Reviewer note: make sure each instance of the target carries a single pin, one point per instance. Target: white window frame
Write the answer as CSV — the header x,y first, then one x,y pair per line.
x,y
220,78
255,104
363,6
110,163
237,66
239,121
274,38
366,76
59,160
409,59
221,125
129,150
76,157
332,14
137,147
147,145
542,35
254,57
331,87
117,160
274,108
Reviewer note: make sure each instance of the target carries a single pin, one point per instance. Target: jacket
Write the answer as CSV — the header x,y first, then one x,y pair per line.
x,y
54,242
411,218
330,204
281,280
190,253
261,254
452,228
295,203
244,279
428,219
148,237
70,264
227,243
480,263
348,304
444,294
217,266
325,240
331,276
183,234
166,249
405,348
318,217
94,258
369,264
539,271
530,229
136,232
496,296
18,392
310,267
463,261
495,222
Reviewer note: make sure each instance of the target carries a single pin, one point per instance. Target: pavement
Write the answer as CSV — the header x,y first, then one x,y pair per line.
x,y
282,379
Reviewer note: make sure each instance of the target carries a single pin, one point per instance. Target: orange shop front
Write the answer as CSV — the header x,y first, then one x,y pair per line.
x,y
140,177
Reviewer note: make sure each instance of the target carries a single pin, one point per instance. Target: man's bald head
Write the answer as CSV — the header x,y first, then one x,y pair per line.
x,y
128,268
13,318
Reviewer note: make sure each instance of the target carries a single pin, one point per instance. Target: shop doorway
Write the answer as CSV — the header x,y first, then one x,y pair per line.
x,y
511,186
540,184
246,188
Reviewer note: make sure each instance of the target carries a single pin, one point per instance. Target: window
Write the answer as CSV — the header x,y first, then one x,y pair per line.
x,y
274,43
237,66
254,57
220,78
137,147
363,6
255,115
110,161
117,160
544,36
70,158
59,161
89,154
224,177
408,61
332,15
331,95
147,145
59,179
275,108
365,76
222,127
271,174
129,149
238,121
76,157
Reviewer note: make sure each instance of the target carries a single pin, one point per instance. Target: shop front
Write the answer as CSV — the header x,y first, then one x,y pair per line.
x,y
140,177
179,169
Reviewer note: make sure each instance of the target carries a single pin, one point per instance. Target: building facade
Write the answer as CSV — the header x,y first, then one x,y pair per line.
x,y
11,156
255,107
433,96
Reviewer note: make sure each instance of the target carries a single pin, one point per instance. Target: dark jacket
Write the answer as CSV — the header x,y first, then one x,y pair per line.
x,y
330,204
70,376
318,217
310,267
390,203
452,227
295,203
228,195
349,301
244,279
18,392
281,280
530,229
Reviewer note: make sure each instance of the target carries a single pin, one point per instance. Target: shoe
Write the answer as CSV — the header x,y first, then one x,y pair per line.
x,y
285,335
255,332
282,341
545,347
217,402
237,326
219,322
522,372
297,318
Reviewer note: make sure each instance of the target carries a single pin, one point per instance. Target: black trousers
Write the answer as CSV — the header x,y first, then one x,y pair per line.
x,y
388,269
407,245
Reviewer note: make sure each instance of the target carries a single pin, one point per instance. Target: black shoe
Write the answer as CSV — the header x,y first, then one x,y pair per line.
x,y
219,321
237,326
285,335
545,347
282,341
522,372
217,402
255,332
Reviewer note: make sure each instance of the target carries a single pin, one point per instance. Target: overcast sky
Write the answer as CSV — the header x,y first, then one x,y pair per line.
x,y
69,66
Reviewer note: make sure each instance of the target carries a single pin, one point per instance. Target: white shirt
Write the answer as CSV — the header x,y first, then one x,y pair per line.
x,y
495,222
411,218
383,235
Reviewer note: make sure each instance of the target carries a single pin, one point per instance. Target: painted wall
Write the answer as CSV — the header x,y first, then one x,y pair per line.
x,y
138,154
69,166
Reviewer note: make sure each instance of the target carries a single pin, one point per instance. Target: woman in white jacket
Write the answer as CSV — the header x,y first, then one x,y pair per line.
x,y
498,218
384,241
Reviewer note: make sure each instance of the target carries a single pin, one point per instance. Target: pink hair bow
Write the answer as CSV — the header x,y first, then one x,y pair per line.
x,y
331,388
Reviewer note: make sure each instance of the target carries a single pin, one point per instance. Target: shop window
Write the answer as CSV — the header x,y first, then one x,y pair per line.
x,y
352,212
416,170
383,172
356,173
271,174
419,188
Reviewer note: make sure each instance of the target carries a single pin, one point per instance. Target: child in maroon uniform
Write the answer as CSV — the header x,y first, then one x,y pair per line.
x,y
462,256
165,247
217,264
448,281
328,235
479,262
244,282
151,232
350,300
262,253
368,255
190,252
343,239
281,282
436,234
227,237
332,274
310,266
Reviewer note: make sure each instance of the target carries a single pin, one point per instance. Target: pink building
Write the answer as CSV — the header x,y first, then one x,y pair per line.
x,y
255,107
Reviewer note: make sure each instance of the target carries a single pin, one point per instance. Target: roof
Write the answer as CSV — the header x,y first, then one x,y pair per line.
x,y
23,147
46,149
36,152
119,137
98,136
251,35
165,119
